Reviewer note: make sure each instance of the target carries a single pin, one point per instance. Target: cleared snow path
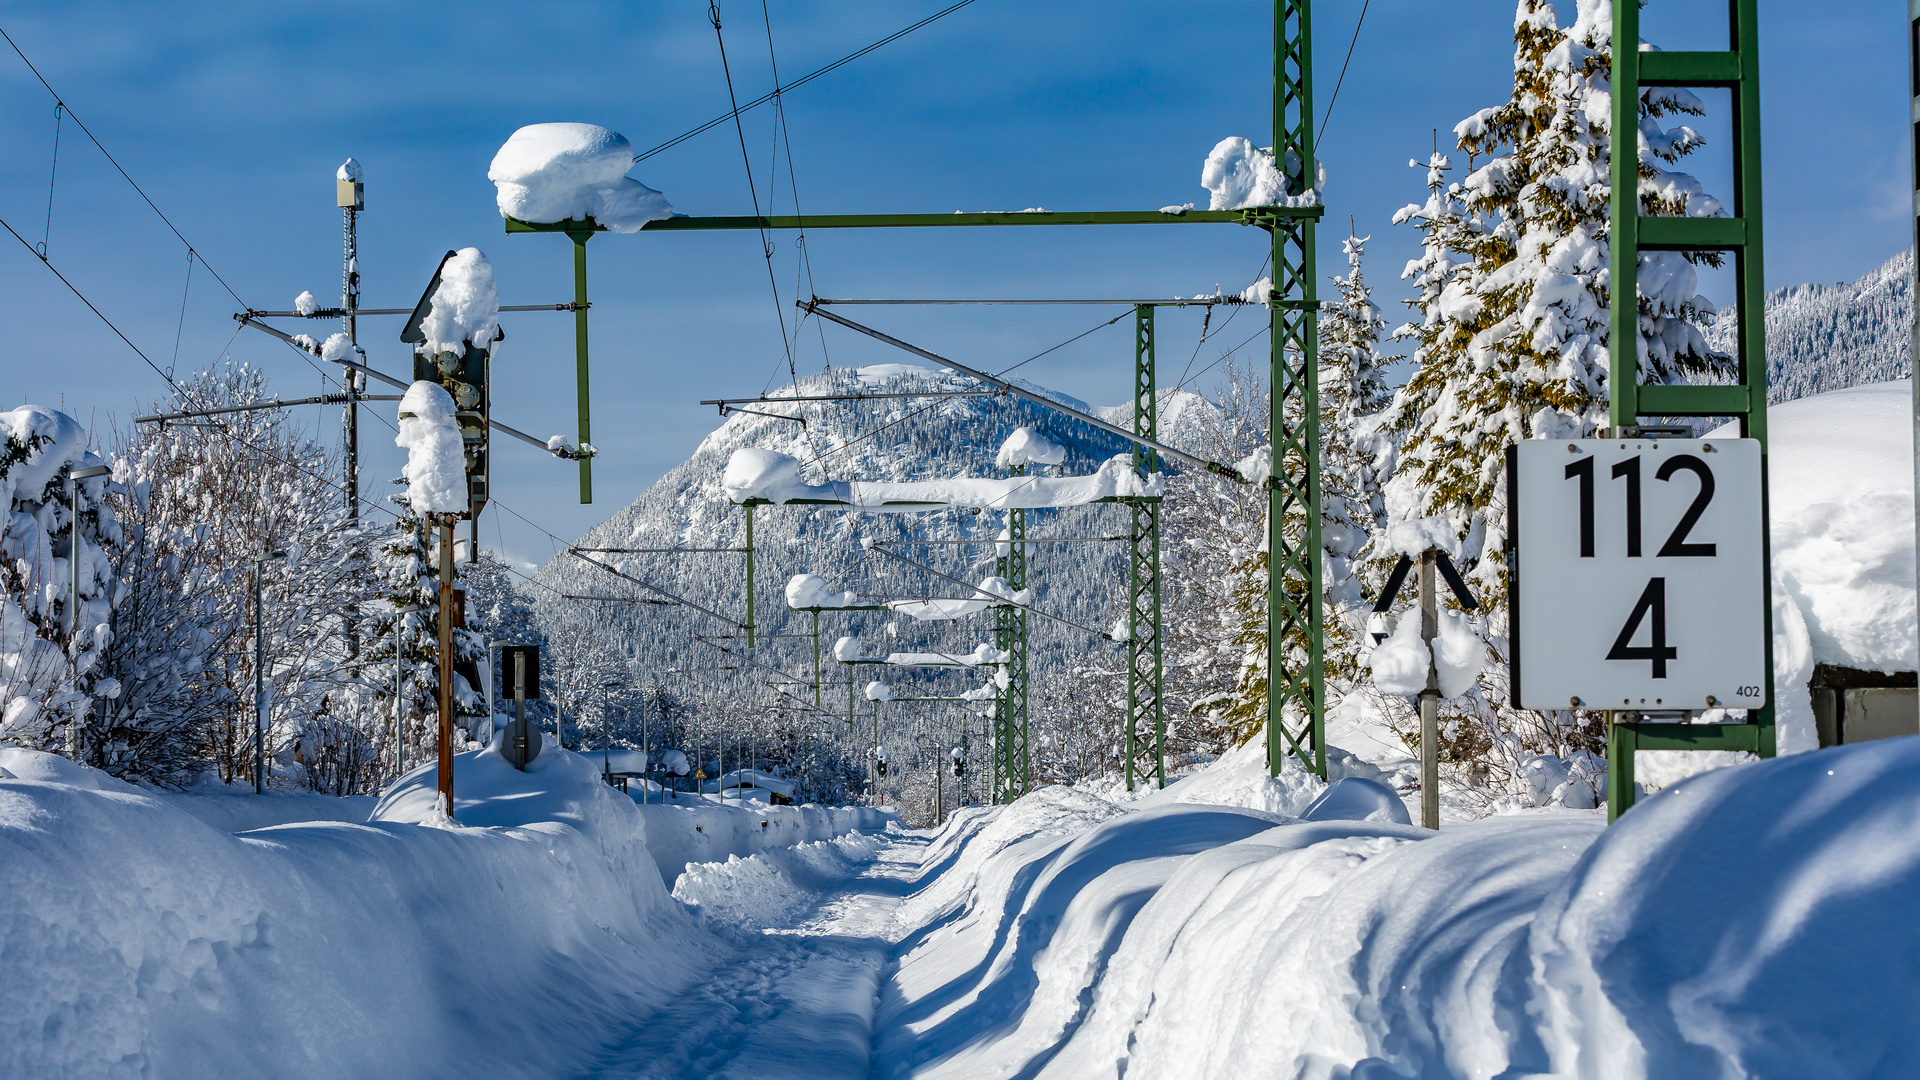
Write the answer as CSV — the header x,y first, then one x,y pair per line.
x,y
792,991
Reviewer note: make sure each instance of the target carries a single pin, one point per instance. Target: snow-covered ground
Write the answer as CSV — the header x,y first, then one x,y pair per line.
x,y
1753,921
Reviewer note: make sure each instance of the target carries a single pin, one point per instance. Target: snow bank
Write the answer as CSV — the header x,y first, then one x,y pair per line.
x,y
1356,798
141,941
465,307
693,829
1028,447
436,468
993,990
770,888
755,473
812,591
1239,778
560,172
1158,944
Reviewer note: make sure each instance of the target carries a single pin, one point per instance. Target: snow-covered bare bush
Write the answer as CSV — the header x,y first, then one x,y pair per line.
x,y
203,501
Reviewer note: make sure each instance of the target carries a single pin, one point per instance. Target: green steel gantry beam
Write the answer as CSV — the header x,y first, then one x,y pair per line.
x,y
1737,69
1146,711
1296,681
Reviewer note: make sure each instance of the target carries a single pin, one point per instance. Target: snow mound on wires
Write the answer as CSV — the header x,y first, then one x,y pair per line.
x,y
993,591
548,173
1239,174
982,653
847,648
337,348
756,473
1028,447
465,307
305,304
812,591
879,691
436,469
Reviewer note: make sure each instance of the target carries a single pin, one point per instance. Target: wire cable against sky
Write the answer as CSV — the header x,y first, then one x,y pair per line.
x,y
797,83
1357,24
766,249
61,102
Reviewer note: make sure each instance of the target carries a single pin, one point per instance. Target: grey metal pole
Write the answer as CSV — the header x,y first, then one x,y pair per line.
x,y
399,732
1429,699
74,476
259,689
73,614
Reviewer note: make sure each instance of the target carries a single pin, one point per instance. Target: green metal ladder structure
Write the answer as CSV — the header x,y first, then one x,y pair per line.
x,y
1296,697
1736,69
1012,751
1146,707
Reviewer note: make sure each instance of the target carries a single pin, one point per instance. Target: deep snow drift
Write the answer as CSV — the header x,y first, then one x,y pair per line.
x,y
1752,921
139,940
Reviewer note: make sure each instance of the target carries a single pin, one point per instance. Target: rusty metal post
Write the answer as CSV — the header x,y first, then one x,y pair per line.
x,y
446,663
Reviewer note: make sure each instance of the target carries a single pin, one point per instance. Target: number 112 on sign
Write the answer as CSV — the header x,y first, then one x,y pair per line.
x,y
1638,574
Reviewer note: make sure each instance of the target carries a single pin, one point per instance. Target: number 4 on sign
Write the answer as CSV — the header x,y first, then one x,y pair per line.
x,y
1652,609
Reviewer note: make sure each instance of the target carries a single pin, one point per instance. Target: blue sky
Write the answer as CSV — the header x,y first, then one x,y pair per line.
x,y
233,117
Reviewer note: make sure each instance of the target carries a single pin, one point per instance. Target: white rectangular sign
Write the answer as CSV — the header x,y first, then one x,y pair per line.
x,y
1639,581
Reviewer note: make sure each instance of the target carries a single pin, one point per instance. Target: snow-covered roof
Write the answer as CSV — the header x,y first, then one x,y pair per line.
x,y
756,473
1840,483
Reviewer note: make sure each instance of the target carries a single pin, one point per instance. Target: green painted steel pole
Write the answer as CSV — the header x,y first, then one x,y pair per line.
x,y
749,508
1296,678
580,239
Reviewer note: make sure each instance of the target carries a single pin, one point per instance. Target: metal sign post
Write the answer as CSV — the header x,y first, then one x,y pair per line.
x,y
522,743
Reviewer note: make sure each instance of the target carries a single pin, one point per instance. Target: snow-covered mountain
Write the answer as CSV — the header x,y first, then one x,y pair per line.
x,y
881,438
1830,337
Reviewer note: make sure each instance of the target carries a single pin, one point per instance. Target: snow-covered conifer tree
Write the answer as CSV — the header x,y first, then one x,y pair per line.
x,y
50,678
1353,390
1513,302
1513,341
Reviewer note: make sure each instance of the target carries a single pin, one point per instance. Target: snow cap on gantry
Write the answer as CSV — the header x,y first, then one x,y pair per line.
x,y
1025,446
549,173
